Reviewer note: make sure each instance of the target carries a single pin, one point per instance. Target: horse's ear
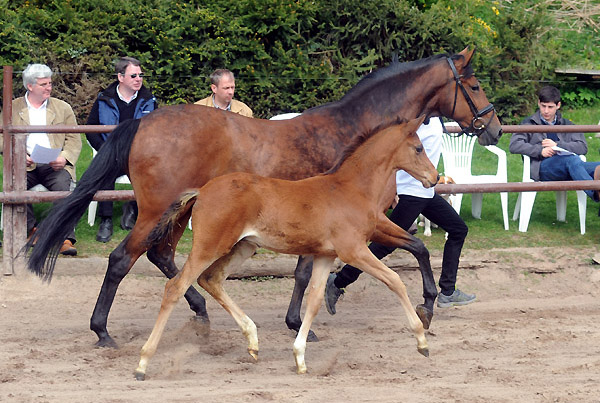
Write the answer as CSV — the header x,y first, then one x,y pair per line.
x,y
467,54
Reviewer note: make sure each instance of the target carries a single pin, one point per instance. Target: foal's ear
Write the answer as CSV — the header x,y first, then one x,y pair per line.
x,y
414,124
467,55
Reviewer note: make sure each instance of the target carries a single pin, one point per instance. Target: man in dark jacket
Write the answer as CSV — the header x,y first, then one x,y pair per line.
x,y
554,156
126,98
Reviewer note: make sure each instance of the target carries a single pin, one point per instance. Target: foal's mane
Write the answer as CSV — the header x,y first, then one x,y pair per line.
x,y
357,142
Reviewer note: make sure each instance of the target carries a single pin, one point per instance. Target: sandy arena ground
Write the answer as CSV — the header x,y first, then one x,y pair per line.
x,y
532,336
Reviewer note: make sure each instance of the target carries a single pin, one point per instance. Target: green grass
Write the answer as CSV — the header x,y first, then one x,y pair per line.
x,y
486,233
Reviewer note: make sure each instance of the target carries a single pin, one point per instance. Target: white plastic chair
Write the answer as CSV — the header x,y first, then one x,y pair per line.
x,y
525,202
124,179
457,154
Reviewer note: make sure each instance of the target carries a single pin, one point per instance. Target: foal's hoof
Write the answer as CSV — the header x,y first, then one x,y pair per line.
x,y
140,376
424,351
425,314
201,319
253,353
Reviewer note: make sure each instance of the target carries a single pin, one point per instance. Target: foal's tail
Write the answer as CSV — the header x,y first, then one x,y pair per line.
x,y
169,219
111,162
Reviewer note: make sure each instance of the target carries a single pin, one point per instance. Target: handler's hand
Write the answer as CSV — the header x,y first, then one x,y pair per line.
x,y
29,161
58,163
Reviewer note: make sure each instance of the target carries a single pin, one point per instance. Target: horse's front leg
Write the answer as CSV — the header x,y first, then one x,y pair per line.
x,y
162,256
119,264
389,234
302,277
321,269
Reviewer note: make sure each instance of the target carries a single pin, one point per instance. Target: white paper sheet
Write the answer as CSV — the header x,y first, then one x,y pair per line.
x,y
562,151
44,155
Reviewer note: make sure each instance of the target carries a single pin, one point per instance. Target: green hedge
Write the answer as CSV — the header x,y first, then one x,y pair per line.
x,y
287,55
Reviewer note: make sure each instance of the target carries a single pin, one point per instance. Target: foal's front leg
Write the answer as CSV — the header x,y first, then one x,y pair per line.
x,y
301,278
321,268
367,262
390,234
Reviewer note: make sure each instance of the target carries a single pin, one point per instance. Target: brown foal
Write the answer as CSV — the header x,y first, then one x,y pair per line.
x,y
327,216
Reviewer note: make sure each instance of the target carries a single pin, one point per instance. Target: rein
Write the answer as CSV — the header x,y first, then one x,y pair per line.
x,y
477,124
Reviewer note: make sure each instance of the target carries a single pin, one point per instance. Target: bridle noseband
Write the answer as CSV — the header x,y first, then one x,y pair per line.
x,y
477,124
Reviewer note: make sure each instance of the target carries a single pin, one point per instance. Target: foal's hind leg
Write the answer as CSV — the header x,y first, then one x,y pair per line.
x,y
302,277
163,257
174,289
212,281
362,258
321,267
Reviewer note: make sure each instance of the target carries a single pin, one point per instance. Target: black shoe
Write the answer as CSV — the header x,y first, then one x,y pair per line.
x,y
128,217
105,230
332,294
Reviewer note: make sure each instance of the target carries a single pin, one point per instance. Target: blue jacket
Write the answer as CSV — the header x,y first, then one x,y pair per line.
x,y
106,112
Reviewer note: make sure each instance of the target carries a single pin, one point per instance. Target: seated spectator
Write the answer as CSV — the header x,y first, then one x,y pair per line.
x,y
223,88
554,156
126,98
37,107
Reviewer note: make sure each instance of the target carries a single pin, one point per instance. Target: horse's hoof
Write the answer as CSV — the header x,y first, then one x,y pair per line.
x,y
312,337
425,314
107,342
202,319
424,351
140,376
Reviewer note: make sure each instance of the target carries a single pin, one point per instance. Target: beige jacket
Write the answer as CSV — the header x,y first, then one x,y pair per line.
x,y
57,113
236,106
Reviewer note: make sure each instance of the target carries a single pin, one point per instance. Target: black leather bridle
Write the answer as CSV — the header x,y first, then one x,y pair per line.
x,y
477,125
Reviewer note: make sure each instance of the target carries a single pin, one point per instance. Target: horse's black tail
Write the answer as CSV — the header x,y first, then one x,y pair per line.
x,y
110,163
169,219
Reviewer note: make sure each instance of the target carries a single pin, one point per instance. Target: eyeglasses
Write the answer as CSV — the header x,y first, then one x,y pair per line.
x,y
133,75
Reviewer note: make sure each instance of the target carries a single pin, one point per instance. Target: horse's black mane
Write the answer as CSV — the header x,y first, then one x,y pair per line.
x,y
383,74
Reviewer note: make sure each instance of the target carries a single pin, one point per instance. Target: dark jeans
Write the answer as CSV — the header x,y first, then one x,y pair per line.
x,y
52,180
568,167
404,214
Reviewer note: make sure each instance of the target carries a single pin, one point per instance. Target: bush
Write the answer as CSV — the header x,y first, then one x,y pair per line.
x,y
288,55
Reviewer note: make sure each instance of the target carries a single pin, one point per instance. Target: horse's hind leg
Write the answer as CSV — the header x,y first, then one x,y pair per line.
x,y
302,277
320,271
212,280
163,257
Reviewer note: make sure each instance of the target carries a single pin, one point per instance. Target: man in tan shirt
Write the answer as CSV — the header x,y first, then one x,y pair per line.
x,y
223,88
37,107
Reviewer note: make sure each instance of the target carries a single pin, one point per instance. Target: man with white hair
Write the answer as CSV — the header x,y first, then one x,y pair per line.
x,y
37,107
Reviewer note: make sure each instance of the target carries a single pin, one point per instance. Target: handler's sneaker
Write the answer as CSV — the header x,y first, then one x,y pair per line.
x,y
457,298
332,294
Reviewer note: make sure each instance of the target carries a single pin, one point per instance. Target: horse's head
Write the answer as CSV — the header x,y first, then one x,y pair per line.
x,y
467,103
412,157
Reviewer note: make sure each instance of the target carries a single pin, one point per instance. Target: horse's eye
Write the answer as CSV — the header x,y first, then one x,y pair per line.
x,y
475,88
419,149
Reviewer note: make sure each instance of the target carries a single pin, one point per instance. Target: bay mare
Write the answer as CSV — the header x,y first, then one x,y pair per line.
x,y
183,146
326,216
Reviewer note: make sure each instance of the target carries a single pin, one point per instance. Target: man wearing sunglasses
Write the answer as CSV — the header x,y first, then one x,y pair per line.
x,y
126,98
